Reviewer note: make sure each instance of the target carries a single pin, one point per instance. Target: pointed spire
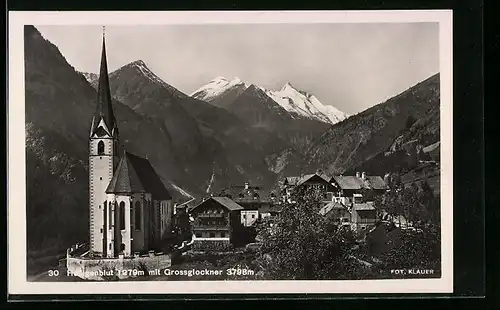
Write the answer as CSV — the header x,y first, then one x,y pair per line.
x,y
104,108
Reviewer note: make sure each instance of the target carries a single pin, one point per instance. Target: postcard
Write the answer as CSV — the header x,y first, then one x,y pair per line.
x,y
230,152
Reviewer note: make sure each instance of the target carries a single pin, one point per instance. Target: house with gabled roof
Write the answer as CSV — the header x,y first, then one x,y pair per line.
x,y
336,211
216,219
318,180
350,186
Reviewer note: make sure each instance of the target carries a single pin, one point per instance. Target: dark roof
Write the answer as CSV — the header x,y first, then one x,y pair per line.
x,y
104,108
135,174
348,182
223,201
242,193
330,206
307,177
353,182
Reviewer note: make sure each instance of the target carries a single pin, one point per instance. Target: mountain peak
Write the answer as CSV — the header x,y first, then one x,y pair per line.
x,y
139,63
288,85
218,86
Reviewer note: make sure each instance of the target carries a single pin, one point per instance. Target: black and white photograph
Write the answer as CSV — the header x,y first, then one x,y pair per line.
x,y
253,151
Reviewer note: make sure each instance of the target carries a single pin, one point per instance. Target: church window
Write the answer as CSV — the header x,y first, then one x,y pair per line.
x,y
138,215
131,216
100,148
122,215
105,214
110,221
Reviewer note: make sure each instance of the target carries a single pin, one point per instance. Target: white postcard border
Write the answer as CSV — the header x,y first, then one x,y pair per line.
x,y
16,211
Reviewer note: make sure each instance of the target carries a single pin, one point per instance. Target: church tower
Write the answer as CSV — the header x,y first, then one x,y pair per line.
x,y
103,157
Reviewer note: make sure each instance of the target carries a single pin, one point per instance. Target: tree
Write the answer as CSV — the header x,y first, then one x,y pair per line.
x,y
302,244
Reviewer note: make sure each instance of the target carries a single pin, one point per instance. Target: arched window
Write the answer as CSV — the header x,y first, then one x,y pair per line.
x,y
100,148
122,215
137,215
105,211
110,221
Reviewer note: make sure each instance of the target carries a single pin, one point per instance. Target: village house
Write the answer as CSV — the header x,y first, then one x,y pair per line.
x,y
255,201
216,219
363,216
337,212
129,207
318,181
347,186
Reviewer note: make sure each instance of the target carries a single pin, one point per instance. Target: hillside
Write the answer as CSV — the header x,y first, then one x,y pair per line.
x,y
372,132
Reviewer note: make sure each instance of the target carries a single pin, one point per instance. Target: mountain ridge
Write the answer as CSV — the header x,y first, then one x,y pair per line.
x,y
298,103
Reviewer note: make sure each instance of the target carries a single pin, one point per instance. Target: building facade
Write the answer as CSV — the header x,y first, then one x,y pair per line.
x,y
216,219
130,208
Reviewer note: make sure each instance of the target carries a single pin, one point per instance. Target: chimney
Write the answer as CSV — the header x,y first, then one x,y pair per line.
x,y
357,174
247,185
363,175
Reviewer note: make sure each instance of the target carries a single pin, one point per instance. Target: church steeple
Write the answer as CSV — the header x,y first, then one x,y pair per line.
x,y
104,108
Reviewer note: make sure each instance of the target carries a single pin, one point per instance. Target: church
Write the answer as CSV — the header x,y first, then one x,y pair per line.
x,y
130,208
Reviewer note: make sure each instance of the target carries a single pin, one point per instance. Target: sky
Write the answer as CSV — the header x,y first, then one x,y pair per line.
x,y
350,66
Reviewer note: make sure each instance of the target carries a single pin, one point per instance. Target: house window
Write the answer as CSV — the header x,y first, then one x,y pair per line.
x,y
244,216
253,216
122,215
137,215
212,235
198,235
100,148
222,234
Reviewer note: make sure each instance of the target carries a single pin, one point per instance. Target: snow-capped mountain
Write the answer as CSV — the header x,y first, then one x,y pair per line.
x,y
222,92
216,87
306,105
